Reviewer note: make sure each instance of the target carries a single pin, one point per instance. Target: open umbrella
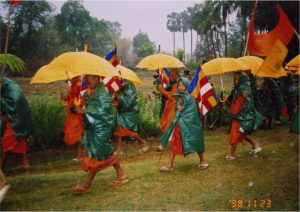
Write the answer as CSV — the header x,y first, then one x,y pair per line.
x,y
220,66
158,61
252,62
293,65
79,63
129,75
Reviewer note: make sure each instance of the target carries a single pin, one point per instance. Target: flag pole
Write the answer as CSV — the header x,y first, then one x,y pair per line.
x,y
296,34
246,44
6,44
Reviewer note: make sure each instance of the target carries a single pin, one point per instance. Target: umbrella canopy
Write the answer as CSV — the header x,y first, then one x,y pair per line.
x,y
293,65
158,61
44,75
252,62
79,63
130,75
223,65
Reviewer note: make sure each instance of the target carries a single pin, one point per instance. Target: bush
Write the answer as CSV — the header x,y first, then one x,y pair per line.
x,y
48,116
148,120
180,54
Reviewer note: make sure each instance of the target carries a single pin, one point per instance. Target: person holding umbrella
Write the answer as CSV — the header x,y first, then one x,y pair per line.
x,y
97,120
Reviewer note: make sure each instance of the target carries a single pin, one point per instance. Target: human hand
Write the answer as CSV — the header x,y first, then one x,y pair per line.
x,y
179,108
113,101
245,94
160,87
224,97
115,94
79,110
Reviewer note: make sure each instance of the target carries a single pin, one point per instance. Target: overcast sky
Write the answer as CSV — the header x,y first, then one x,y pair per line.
x,y
148,16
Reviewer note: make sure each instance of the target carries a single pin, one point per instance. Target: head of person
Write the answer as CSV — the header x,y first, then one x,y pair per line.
x,y
74,81
240,78
248,72
183,84
236,79
92,80
174,74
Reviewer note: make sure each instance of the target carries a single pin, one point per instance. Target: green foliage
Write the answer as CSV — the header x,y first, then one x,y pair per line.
x,y
145,50
180,54
13,62
138,40
48,116
148,120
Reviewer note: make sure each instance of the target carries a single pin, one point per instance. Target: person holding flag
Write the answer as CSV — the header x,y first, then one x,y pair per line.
x,y
185,130
244,117
167,88
73,126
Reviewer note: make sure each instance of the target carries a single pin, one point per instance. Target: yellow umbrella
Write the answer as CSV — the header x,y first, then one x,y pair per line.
x,y
223,65
158,61
252,62
293,65
44,75
79,63
129,75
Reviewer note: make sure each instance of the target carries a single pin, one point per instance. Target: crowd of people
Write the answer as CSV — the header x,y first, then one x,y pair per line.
x,y
89,128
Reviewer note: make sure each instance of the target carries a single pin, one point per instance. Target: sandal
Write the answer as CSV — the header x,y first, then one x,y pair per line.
x,y
75,160
160,148
255,151
118,154
144,150
229,158
78,190
117,183
165,169
202,165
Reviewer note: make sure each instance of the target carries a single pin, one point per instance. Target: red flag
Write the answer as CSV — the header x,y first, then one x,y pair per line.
x,y
15,2
261,44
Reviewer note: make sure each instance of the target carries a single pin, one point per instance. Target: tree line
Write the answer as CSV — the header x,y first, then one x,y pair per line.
x,y
216,34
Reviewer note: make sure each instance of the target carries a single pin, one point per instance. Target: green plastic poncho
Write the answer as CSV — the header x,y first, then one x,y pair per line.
x,y
287,87
188,120
295,124
16,108
248,117
97,123
269,104
128,108
164,99
253,85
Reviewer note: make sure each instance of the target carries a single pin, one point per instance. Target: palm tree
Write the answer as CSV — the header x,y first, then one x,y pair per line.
x,y
244,10
14,63
173,25
204,20
184,27
215,28
223,8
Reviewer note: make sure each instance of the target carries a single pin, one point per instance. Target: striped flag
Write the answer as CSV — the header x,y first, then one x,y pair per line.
x,y
113,83
202,91
164,76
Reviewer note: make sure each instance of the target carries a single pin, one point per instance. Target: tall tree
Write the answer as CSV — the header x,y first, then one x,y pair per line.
x,y
139,40
173,24
223,8
185,19
26,19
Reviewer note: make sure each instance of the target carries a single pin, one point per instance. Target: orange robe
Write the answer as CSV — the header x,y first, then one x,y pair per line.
x,y
93,165
10,141
122,132
235,135
169,112
73,127
176,142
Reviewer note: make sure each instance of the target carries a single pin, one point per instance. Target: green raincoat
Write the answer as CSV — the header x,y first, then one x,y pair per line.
x,y
269,104
164,99
97,123
188,120
128,109
288,96
295,124
16,108
253,86
247,117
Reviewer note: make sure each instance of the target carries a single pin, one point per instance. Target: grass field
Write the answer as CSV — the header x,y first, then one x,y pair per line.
x,y
272,175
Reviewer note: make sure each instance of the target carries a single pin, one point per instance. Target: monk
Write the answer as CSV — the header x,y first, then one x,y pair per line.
x,y
73,127
19,123
97,122
167,110
269,102
287,88
244,117
126,118
185,130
